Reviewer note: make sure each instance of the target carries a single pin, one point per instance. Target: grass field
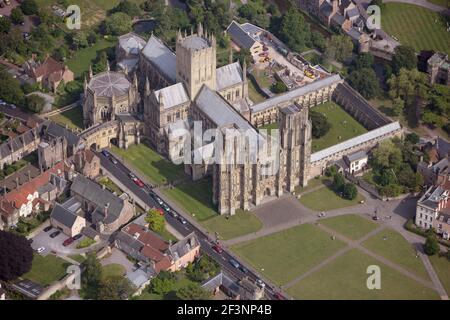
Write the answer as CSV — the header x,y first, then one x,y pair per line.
x,y
350,225
254,95
343,126
442,267
83,58
415,26
46,270
326,199
73,118
113,269
243,222
313,183
284,255
346,279
393,246
195,197
111,186
157,169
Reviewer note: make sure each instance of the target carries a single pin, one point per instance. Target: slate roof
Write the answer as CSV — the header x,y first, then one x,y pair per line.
x,y
442,147
109,83
94,193
218,110
240,36
195,42
269,103
183,246
338,18
384,130
131,43
173,95
56,130
63,216
357,156
161,56
228,75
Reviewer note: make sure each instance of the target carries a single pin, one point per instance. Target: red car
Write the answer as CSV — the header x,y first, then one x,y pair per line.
x,y
67,242
139,182
278,296
161,212
217,248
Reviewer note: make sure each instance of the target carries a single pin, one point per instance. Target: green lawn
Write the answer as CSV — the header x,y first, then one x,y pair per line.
x,y
73,118
157,169
326,199
442,267
46,270
243,222
343,126
397,249
77,257
195,197
415,26
346,279
82,58
350,225
253,94
313,183
111,186
284,255
113,269
85,242
269,127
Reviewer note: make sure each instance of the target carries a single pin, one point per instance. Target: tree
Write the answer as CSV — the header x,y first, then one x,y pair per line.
x,y
243,55
155,220
349,191
432,119
320,124
5,24
79,40
10,89
16,15
404,57
163,283
331,171
431,246
127,7
16,256
406,85
29,7
117,24
294,31
338,182
204,268
318,40
412,138
279,87
386,155
339,47
35,103
363,61
192,291
91,279
365,81
115,288
397,106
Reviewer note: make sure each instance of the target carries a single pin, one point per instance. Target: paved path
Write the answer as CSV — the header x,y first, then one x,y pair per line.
x,y
421,3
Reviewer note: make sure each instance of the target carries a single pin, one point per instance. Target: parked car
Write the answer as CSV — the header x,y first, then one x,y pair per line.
x,y
47,229
279,296
77,236
234,263
41,249
260,283
138,182
376,218
165,207
68,241
113,160
243,269
105,153
217,248
55,234
161,212
173,214
131,175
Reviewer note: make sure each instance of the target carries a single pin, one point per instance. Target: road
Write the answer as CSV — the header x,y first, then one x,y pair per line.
x,y
121,172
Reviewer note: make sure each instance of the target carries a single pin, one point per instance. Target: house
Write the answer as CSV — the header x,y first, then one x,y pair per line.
x,y
432,210
87,163
50,73
147,247
354,162
65,218
106,211
246,36
243,289
436,170
34,195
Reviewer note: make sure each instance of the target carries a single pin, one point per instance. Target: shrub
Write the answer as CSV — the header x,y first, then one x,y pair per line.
x,y
431,246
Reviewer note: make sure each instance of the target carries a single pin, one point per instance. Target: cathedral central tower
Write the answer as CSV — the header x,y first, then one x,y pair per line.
x,y
196,61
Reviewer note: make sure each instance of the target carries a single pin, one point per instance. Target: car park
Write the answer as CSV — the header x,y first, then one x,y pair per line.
x,y
217,248
47,229
55,234
234,263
